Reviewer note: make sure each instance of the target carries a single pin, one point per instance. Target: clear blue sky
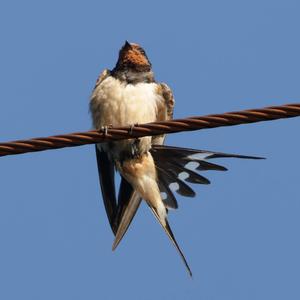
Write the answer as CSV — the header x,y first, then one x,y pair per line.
x,y
240,234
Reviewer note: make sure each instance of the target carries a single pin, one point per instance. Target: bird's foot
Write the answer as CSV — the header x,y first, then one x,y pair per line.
x,y
130,131
104,129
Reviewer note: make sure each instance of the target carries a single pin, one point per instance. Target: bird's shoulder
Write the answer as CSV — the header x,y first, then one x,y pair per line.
x,y
167,106
105,74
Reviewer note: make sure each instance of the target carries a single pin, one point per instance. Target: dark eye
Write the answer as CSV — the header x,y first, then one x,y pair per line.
x,y
142,51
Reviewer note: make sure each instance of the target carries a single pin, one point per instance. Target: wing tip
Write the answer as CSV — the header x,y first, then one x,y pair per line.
x,y
251,157
226,155
115,245
258,157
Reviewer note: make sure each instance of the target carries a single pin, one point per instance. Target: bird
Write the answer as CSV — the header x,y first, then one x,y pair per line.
x,y
125,96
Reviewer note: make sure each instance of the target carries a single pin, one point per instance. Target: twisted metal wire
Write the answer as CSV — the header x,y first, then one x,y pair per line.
x,y
156,128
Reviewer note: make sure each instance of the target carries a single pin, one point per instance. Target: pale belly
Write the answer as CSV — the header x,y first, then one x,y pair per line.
x,y
115,104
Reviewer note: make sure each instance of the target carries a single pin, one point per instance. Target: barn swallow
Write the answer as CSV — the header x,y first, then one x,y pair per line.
x,y
129,95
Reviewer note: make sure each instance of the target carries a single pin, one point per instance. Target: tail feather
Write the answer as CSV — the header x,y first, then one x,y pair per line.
x,y
164,223
169,199
193,177
170,177
183,157
183,152
127,216
172,162
208,166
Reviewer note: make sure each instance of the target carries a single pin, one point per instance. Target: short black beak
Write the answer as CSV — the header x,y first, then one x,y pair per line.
x,y
127,44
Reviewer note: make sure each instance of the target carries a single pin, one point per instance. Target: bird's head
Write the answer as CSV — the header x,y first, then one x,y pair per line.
x,y
133,57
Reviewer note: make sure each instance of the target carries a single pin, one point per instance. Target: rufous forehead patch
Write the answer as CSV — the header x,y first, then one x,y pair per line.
x,y
134,56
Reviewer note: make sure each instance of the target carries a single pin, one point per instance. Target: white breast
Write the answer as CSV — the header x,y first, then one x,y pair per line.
x,y
119,104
